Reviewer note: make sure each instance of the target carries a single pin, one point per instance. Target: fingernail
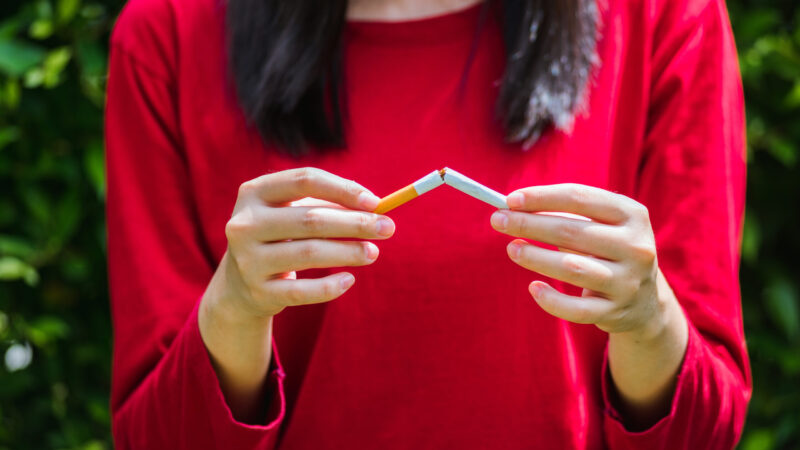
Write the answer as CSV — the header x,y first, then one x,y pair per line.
x,y
513,249
535,288
368,201
346,280
514,200
499,220
384,227
371,250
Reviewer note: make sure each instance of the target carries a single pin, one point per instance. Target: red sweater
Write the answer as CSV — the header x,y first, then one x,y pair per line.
x,y
438,344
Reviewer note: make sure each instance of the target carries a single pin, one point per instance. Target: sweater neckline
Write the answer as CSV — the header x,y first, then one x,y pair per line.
x,y
450,26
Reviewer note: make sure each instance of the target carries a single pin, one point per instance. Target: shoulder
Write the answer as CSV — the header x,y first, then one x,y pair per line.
x,y
151,31
670,16
145,31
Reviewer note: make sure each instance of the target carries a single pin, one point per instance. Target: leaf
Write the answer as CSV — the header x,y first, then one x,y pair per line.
x,y
792,99
12,93
760,439
45,330
67,9
37,203
54,64
34,78
9,28
8,135
782,149
68,212
41,29
751,238
12,268
17,57
15,246
94,165
782,306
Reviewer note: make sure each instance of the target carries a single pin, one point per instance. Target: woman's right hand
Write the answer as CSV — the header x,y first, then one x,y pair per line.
x,y
271,235
282,222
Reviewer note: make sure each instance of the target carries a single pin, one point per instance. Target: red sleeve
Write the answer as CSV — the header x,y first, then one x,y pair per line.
x,y
692,181
165,394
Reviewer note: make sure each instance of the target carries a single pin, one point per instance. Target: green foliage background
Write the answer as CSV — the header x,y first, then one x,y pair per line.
x,y
53,294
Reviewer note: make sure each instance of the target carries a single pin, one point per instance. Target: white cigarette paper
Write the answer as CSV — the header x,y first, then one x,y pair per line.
x,y
428,182
474,189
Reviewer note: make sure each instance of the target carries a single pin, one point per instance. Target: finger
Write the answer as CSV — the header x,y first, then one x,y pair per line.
x,y
578,235
309,290
583,271
588,201
573,309
295,184
277,224
311,201
290,256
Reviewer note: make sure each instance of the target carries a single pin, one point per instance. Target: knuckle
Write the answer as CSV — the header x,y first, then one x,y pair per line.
x,y
575,265
256,291
352,189
304,177
328,290
581,313
629,288
644,252
605,280
313,221
295,295
639,211
576,194
246,188
568,234
309,251
235,228
517,225
366,224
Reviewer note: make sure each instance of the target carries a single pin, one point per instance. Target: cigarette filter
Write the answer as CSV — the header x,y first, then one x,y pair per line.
x,y
410,192
474,189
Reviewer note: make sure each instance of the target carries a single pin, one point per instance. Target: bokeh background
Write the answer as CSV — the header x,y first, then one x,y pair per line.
x,y
55,336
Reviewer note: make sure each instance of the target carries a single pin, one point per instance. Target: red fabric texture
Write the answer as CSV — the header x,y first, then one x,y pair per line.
x,y
438,344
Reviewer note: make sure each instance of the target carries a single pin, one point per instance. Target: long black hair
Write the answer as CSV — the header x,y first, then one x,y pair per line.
x,y
285,57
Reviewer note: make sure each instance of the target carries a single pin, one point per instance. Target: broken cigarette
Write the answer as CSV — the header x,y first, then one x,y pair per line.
x,y
473,188
410,192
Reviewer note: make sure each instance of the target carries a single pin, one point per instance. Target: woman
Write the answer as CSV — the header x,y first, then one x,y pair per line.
x,y
245,139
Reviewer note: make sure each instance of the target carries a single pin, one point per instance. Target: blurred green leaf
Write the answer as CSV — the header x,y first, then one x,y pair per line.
x,y
15,246
751,238
8,135
45,330
11,93
94,164
782,303
54,64
41,29
783,150
12,268
761,439
17,57
34,78
793,97
67,9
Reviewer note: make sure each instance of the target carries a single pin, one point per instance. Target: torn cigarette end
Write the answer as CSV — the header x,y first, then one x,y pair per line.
x,y
410,192
473,188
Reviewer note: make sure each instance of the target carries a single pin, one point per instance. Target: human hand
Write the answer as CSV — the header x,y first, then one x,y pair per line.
x,y
273,233
612,256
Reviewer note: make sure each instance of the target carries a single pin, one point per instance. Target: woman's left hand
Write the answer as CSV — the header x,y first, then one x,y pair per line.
x,y
612,256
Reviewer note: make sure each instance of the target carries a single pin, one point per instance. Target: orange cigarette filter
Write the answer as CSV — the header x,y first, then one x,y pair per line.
x,y
396,199
410,192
